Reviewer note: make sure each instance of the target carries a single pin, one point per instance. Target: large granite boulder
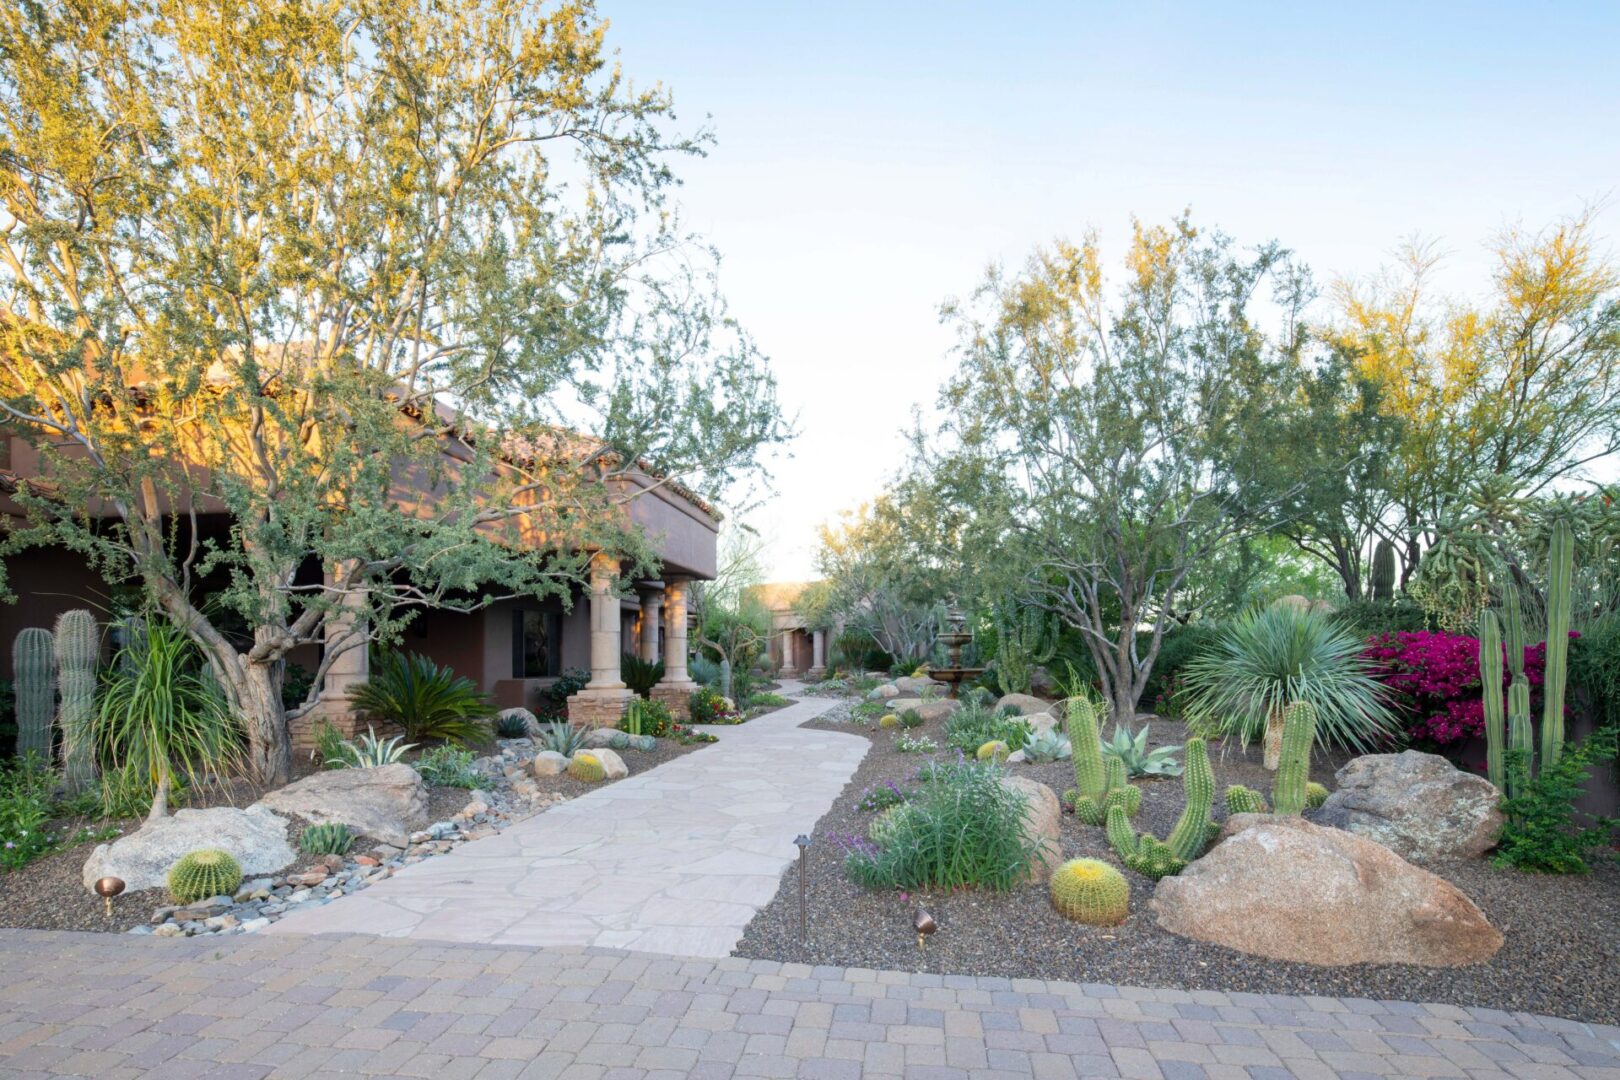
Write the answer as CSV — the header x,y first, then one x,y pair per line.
x,y
548,763
388,802
1418,805
613,766
928,708
913,686
255,837
883,693
1026,704
1043,820
1284,888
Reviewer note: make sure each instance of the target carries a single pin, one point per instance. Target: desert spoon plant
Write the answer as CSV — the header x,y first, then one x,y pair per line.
x,y
78,648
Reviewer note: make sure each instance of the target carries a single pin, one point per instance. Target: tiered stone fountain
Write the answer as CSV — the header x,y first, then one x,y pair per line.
x,y
954,638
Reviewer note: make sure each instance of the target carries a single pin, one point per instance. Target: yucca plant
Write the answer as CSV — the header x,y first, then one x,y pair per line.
x,y
428,701
1265,660
162,721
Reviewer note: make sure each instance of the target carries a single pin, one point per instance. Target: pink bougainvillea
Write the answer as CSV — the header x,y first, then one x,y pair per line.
x,y
1435,677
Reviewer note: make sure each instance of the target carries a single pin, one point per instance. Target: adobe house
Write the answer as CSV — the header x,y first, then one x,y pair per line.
x,y
513,649
798,649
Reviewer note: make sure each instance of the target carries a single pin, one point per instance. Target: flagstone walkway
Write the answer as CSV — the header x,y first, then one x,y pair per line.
x,y
296,1007
674,861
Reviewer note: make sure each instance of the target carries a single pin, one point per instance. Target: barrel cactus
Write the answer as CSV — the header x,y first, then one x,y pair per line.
x,y
1092,892
646,743
202,874
328,838
1243,800
994,750
1294,765
33,666
889,720
78,648
586,768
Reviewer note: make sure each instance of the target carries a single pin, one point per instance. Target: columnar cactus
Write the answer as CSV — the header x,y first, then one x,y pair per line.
x,y
1490,678
1099,783
1560,569
1243,800
33,665
78,648
1191,833
1294,765
1520,733
1382,584
202,874
1092,892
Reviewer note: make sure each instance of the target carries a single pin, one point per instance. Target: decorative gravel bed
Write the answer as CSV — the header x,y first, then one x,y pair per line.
x,y
1562,955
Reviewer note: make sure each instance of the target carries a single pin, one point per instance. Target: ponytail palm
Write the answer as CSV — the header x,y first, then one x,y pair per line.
x,y
1265,660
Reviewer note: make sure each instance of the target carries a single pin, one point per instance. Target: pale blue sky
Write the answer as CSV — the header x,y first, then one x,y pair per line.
x,y
873,158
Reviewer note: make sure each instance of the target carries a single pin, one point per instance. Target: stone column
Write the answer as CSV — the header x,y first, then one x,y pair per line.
x,y
787,653
818,655
346,624
602,702
652,605
677,686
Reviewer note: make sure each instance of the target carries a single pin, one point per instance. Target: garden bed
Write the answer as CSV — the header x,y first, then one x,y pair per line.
x,y
1561,957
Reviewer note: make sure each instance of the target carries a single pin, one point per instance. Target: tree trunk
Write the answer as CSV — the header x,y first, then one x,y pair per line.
x,y
258,697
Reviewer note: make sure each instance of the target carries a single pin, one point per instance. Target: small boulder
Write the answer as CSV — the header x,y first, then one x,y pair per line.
x,y
915,685
937,709
388,802
1418,805
1042,684
600,737
255,838
1025,704
613,765
548,763
883,693
528,718
1043,821
1283,888
901,704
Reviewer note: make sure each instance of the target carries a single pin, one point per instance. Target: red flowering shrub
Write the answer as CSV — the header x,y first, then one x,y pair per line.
x,y
1435,677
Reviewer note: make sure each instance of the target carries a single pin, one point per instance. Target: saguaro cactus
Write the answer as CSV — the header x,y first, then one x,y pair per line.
x,y
1490,677
33,666
1382,583
1294,763
1560,569
78,648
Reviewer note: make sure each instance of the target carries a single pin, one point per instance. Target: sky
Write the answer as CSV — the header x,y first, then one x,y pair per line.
x,y
872,160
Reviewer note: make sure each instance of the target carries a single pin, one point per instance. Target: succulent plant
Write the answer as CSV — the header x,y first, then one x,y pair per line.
x,y
561,737
1132,751
1155,858
78,648
1243,800
1560,569
619,740
1048,745
201,874
329,838
370,752
1294,763
911,718
1315,795
512,726
586,768
1494,699
1381,586
1092,892
646,743
33,665
1126,796
1100,780
994,750
889,720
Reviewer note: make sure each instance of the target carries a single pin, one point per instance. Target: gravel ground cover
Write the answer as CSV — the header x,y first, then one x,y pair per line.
x,y
1562,955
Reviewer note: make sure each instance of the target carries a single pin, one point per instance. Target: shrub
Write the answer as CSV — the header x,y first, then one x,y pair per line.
x,y
448,766
1374,618
370,752
964,828
649,718
871,710
1594,670
1264,660
708,707
704,672
640,675
201,874
328,744
1541,834
428,701
972,725
553,700
881,797
773,701
1435,682
330,838
296,681
25,808
1179,647
915,744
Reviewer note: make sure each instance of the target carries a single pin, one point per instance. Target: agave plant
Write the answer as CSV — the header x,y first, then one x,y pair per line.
x,y
1048,745
428,701
370,752
1265,660
1132,752
561,737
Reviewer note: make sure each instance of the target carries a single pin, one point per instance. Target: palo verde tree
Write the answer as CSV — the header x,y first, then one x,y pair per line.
x,y
1100,435
392,291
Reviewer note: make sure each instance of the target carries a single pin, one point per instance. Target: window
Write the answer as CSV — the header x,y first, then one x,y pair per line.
x,y
536,644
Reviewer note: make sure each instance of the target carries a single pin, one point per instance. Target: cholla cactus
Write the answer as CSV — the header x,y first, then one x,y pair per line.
x,y
1092,892
1294,766
586,768
1243,800
78,648
202,874
33,665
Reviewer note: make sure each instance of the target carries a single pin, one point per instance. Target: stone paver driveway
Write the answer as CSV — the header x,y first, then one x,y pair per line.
x,y
674,861
294,1007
